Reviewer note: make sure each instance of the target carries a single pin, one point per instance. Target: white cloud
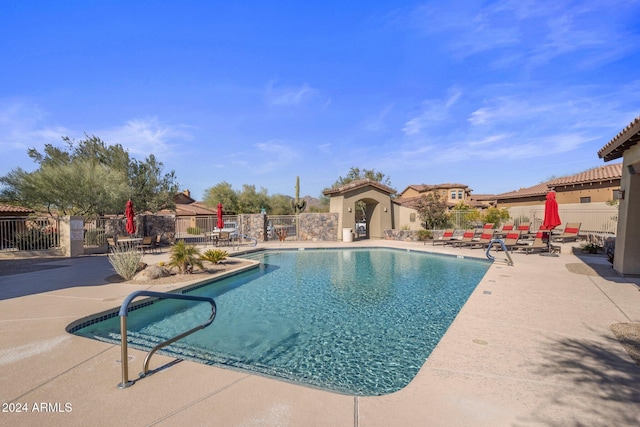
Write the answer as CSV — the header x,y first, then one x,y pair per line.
x,y
433,112
290,96
144,136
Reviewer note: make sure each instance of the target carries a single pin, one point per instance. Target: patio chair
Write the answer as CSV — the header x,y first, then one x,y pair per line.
x,y
504,230
538,245
483,242
147,244
112,244
510,240
570,233
467,237
224,238
446,238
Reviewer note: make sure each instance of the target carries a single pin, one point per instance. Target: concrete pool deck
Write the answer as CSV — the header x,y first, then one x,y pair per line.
x,y
532,346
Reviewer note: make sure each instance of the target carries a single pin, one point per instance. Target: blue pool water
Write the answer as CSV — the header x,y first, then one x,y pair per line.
x,y
359,322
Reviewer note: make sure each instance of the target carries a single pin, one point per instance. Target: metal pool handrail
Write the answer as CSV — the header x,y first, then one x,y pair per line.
x,y
504,248
123,329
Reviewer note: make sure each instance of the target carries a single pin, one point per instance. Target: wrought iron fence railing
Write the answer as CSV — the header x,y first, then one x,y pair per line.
x,y
29,233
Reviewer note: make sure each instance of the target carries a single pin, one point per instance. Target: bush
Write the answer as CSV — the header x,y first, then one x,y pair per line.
x,y
193,230
125,261
95,237
425,235
214,255
185,257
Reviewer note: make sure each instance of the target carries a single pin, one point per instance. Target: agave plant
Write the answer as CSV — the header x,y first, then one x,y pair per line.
x,y
185,257
214,256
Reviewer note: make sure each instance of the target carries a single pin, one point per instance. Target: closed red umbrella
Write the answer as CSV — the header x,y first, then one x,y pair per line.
x,y
220,223
551,216
129,214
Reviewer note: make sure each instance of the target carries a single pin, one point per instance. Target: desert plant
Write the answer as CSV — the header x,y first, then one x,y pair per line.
x,y
193,230
184,257
591,247
214,255
125,261
95,237
425,235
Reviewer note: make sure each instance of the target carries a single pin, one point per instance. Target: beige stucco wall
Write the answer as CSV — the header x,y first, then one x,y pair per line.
x,y
627,254
597,192
403,216
379,211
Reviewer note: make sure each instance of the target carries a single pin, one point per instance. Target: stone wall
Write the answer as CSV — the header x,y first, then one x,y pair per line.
x,y
252,225
318,227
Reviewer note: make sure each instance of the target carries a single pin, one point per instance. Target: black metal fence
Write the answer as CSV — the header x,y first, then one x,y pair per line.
x,y
29,233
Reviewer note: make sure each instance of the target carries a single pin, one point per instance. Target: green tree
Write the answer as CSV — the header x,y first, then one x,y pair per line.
x,y
432,210
465,214
250,200
279,204
82,187
222,193
496,215
89,177
356,174
150,189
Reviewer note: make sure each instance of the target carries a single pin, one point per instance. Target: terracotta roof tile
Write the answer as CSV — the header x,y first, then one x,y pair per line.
x,y
353,185
628,137
599,174
16,209
536,190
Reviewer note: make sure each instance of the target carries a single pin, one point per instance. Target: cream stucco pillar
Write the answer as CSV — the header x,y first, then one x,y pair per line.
x,y
72,236
627,255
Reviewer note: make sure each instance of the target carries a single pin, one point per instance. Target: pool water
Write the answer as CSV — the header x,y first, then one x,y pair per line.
x,y
359,322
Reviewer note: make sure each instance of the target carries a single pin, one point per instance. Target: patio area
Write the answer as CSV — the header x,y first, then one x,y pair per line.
x,y
532,346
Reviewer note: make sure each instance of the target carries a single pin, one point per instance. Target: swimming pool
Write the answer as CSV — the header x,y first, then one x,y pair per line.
x,y
356,321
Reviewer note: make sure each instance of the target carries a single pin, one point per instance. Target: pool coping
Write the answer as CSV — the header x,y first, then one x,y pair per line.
x,y
532,345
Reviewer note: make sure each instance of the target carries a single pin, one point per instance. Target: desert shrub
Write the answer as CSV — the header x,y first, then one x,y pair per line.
x,y
125,261
214,255
95,237
184,257
425,234
193,230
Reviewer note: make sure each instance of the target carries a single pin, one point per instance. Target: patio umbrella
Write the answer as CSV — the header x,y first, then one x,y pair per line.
x,y
220,224
128,212
551,216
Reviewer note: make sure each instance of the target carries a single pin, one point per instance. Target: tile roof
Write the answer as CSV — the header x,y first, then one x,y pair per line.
x,y
422,188
599,174
361,183
536,190
15,209
628,137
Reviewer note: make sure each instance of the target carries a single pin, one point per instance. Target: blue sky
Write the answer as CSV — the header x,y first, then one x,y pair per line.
x,y
496,95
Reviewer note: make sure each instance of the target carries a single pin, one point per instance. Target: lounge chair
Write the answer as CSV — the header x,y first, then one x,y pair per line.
x,y
504,230
510,240
447,237
538,245
483,242
570,233
467,237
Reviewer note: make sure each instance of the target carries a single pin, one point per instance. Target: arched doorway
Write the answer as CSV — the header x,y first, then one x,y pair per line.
x,y
376,197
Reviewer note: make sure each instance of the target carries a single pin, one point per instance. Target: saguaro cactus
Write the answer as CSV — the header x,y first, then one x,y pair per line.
x,y
298,205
